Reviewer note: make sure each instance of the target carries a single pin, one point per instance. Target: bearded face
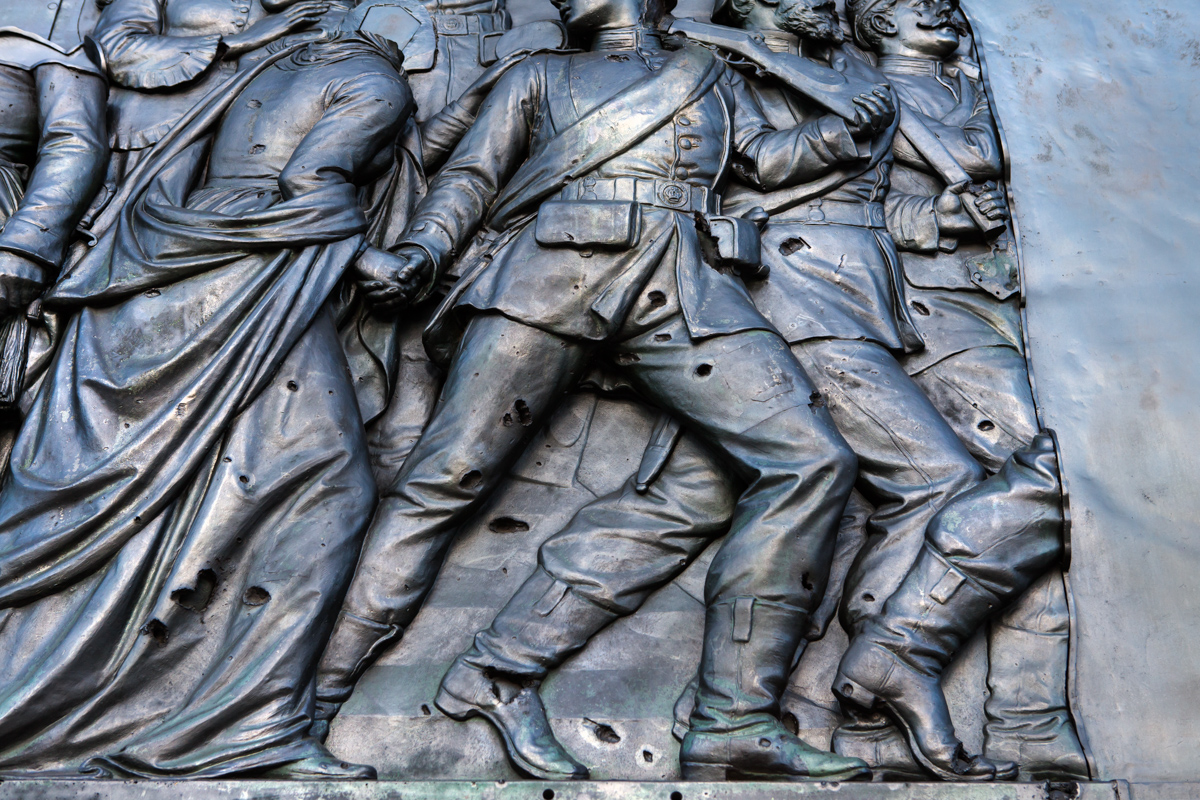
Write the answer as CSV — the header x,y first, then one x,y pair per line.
x,y
811,20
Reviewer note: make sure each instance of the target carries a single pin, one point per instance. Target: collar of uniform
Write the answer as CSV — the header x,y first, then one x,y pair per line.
x,y
635,37
907,65
780,41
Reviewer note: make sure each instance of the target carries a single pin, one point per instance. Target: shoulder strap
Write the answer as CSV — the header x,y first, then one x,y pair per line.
x,y
607,130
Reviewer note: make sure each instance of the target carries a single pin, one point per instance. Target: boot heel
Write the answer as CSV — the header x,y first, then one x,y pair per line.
x,y
708,773
853,691
454,708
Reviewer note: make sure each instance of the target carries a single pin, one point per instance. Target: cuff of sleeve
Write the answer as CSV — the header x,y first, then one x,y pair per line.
x,y
433,239
32,242
191,57
837,138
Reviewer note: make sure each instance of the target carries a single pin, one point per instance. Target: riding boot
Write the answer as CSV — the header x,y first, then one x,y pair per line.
x,y
1027,716
353,646
497,678
982,550
749,647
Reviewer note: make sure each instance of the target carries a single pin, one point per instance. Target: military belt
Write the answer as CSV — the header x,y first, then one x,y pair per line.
x,y
674,195
464,24
837,212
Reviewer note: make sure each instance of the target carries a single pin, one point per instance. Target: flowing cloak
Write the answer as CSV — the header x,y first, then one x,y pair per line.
x,y
185,501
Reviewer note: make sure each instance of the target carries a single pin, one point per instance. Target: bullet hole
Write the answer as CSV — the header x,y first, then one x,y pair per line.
x,y
508,525
617,57
425,710
244,478
657,299
1061,790
986,425
157,631
604,733
662,337
227,460
806,583
524,415
625,359
764,742
676,795
920,308
256,596
126,424
293,386
258,148
504,570
847,690
791,723
570,237
548,794
153,293
197,599
789,246
704,370
816,400
507,421
137,520
870,598
254,103
471,480
647,756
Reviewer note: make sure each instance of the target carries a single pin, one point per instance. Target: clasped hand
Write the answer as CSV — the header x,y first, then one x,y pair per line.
x,y
391,281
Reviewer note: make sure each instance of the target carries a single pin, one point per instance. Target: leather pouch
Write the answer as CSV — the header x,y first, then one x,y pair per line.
x,y
614,224
739,244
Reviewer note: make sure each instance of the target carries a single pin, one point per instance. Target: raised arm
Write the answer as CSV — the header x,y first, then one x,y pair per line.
x,y
770,159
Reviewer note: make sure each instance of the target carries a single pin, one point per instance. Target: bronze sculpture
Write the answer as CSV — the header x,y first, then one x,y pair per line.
x,y
604,208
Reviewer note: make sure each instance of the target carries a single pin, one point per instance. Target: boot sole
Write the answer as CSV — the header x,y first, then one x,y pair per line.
x,y
717,773
858,694
462,711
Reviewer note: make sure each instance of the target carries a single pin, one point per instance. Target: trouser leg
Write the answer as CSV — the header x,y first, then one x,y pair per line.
x,y
608,559
745,395
910,461
503,383
392,436
984,394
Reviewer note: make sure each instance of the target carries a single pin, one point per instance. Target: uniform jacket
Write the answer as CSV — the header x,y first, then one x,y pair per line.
x,y
588,292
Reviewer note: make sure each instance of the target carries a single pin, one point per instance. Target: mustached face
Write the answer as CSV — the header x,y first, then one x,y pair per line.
x,y
812,20
926,26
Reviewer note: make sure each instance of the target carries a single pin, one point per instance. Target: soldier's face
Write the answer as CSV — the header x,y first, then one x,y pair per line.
x,y
926,26
813,20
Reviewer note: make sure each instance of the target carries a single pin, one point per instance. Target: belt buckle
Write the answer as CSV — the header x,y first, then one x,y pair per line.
x,y
673,194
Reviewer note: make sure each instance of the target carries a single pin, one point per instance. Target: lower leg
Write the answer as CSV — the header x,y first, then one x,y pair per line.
x,y
1028,720
749,399
503,383
981,552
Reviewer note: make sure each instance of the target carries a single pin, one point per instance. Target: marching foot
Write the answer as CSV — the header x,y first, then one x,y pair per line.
x,y
874,738
869,676
767,751
324,766
515,711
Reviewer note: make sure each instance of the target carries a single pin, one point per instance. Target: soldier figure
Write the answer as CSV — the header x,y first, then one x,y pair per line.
x,y
964,290
596,165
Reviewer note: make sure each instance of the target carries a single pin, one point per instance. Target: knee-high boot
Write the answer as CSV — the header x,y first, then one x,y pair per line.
x,y
981,551
1027,716
498,677
749,647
